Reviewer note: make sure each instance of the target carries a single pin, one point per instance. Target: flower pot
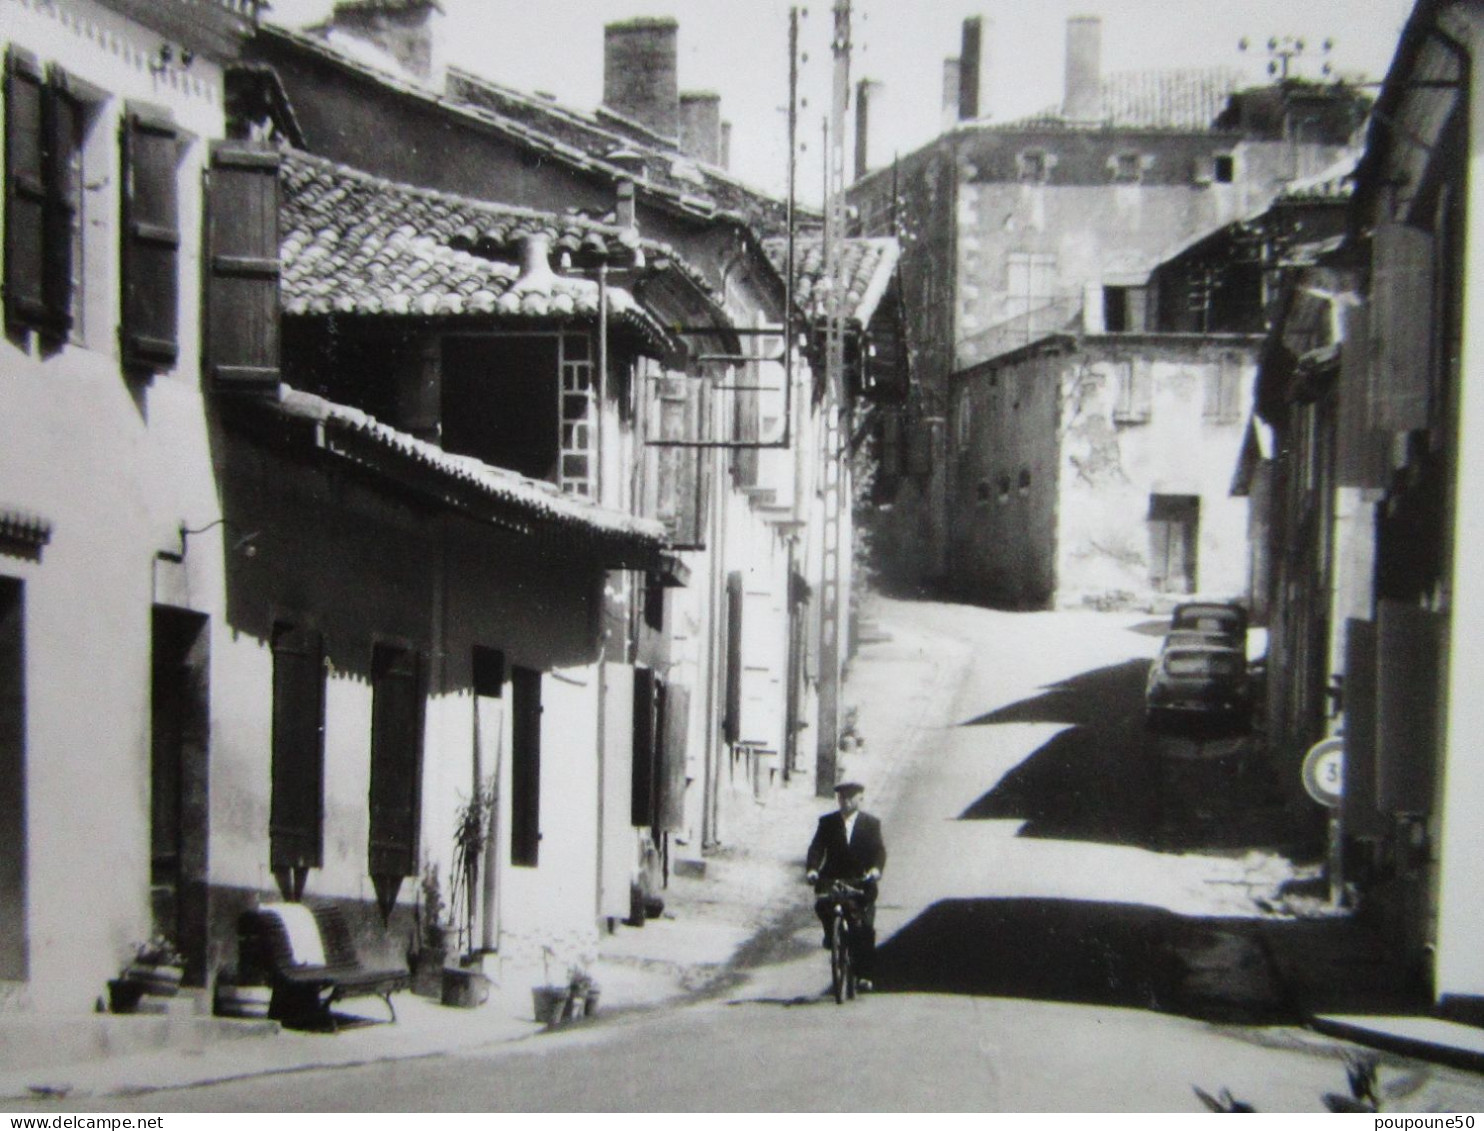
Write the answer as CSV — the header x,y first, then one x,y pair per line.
x,y
550,1003
427,971
124,995
465,989
242,1001
154,979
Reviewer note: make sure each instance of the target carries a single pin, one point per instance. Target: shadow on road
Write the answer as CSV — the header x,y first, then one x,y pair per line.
x,y
1108,777
1118,955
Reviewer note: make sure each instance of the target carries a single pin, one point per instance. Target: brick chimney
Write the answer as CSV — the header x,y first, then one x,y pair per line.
x,y
403,29
726,145
639,73
968,70
950,92
866,93
700,126
1083,101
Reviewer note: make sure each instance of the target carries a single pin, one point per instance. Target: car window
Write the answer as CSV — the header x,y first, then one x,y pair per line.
x,y
1202,663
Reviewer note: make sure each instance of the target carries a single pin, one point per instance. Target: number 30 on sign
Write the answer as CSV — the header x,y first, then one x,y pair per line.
x,y
1324,772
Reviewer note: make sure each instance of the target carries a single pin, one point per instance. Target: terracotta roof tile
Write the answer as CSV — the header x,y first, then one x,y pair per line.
x,y
1187,99
353,243
869,264
357,435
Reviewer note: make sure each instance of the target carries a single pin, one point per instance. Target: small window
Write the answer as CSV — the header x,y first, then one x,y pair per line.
x,y
965,419
982,491
1223,389
1033,166
1132,394
1124,309
1004,488
1126,168
1224,168
1023,485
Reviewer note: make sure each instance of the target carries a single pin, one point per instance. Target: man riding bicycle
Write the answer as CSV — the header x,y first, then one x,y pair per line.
x,y
847,846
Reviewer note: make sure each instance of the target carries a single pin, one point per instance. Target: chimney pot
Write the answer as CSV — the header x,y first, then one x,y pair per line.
x,y
1084,95
700,126
968,75
951,69
640,75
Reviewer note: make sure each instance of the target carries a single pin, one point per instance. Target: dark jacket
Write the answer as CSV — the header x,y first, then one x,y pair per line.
x,y
834,859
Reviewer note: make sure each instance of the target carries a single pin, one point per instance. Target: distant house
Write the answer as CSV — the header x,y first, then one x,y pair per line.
x,y
1015,231
1096,469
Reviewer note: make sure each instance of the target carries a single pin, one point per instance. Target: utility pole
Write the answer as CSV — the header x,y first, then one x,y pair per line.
x,y
832,403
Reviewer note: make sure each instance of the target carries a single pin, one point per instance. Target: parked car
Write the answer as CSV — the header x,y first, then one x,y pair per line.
x,y
1198,681
1212,616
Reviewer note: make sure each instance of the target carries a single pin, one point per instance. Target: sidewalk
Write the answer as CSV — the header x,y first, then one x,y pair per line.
x,y
694,947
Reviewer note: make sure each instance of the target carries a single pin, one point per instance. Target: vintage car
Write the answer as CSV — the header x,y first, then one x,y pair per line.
x,y
1198,681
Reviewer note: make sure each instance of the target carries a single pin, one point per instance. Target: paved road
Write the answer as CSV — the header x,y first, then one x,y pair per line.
x,y
1052,940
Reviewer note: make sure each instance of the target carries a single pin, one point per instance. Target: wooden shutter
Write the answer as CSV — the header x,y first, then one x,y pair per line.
x,y
1400,327
1358,814
1362,454
641,798
297,804
670,776
1409,643
396,760
62,118
151,239
25,190
680,482
525,768
732,724
242,332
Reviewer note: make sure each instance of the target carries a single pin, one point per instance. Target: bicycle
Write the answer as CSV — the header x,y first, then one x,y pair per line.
x,y
843,900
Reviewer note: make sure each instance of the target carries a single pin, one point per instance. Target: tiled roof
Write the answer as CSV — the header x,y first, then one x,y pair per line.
x,y
589,143
869,264
1188,99
353,243
518,500
607,136
1337,182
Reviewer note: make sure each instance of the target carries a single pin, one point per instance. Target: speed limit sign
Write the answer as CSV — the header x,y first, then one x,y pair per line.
x,y
1324,772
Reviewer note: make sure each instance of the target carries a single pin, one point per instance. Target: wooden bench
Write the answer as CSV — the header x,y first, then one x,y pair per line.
x,y
308,980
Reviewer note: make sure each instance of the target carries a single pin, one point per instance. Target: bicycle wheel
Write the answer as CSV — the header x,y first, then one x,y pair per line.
x,y
841,975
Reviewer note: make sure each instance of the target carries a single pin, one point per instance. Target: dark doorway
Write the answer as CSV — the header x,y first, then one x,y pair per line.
x,y
1174,527
13,941
179,752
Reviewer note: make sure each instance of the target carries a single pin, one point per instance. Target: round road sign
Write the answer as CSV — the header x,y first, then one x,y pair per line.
x,y
1324,772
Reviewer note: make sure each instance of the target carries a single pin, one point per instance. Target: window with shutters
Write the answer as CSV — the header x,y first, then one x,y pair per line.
x,y
396,760
296,823
152,147
525,767
1030,282
679,406
51,240
1401,327
732,722
1223,403
242,309
1133,393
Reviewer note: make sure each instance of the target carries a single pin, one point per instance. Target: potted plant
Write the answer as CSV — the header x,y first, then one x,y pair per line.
x,y
549,1000
466,984
428,951
156,970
